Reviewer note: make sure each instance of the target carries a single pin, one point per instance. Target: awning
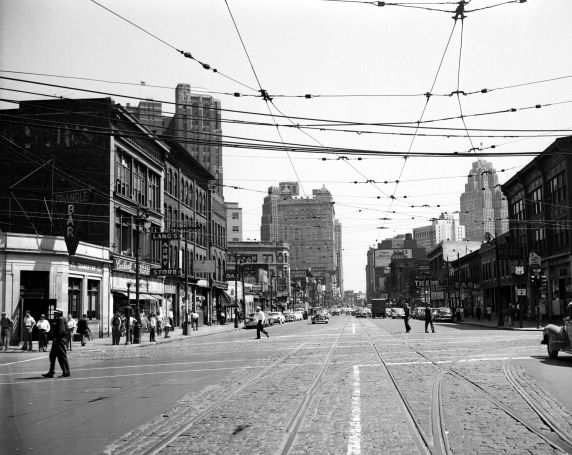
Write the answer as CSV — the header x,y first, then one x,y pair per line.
x,y
227,296
142,296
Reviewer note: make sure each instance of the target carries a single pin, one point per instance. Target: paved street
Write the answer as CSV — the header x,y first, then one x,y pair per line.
x,y
353,386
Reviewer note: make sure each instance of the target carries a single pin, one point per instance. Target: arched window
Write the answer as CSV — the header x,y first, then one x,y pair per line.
x,y
176,186
170,182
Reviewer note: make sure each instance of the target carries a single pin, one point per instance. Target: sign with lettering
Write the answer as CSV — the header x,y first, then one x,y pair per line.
x,y
166,272
168,235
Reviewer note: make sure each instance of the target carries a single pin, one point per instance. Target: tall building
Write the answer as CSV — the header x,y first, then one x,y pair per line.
x,y
233,222
197,121
483,207
445,228
309,226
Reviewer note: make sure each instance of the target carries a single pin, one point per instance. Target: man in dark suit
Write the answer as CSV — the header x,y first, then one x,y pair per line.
x,y
429,319
406,317
59,345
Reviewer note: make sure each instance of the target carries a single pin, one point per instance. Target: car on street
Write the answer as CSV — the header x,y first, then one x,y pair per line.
x,y
397,312
360,313
388,312
335,311
275,317
320,316
443,314
299,315
559,338
367,312
251,322
289,316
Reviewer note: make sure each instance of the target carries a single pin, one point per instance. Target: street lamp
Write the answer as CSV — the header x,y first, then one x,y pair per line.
x,y
141,221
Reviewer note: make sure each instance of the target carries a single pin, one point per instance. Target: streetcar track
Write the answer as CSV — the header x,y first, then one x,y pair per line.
x,y
173,435
545,417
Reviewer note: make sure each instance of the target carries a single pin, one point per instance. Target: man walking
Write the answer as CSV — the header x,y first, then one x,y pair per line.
x,y
152,328
429,319
6,330
29,323
61,335
406,317
72,325
259,315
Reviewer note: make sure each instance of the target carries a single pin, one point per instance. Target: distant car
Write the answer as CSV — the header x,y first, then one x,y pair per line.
x,y
289,316
320,316
388,312
367,312
397,312
335,311
276,317
418,313
298,315
361,313
443,314
559,338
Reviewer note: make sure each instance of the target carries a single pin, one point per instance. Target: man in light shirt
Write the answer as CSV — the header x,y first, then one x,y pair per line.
x,y
72,326
43,328
259,316
29,323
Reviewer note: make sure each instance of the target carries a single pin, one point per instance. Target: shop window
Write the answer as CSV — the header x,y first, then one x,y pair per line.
x,y
92,299
74,297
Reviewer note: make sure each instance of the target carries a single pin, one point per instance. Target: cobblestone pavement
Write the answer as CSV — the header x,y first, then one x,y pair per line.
x,y
362,387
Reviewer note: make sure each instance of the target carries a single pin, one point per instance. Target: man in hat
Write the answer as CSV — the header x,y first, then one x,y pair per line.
x,y
259,315
59,346
6,330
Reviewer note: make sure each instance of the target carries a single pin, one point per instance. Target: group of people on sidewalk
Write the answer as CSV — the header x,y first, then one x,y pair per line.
x,y
43,328
121,326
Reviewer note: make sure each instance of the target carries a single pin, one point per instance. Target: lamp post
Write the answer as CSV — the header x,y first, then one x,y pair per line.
x,y
128,315
141,221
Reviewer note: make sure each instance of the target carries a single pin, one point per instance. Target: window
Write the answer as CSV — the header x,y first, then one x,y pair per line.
x,y
92,299
235,229
154,194
74,297
139,179
123,175
235,216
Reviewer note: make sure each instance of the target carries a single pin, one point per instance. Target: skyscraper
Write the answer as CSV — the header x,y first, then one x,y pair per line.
x,y
483,208
309,226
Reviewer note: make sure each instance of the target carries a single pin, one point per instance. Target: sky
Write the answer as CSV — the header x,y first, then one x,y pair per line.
x,y
392,156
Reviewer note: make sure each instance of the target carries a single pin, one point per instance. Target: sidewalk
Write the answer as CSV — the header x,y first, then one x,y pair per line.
x,y
493,324
176,335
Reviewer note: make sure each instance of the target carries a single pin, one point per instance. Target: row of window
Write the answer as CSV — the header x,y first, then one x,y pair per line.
x,y
137,182
77,307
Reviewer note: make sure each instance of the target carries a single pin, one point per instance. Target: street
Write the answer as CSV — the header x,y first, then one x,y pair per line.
x,y
352,386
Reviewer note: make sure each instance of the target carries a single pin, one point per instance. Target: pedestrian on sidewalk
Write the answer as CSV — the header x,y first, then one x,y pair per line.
x,y
260,318
6,330
489,312
59,351
429,319
406,317
195,321
167,325
152,328
43,328
116,324
479,312
83,330
29,323
72,326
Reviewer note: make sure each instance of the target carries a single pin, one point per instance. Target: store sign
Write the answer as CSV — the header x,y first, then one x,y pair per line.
x,y
166,272
204,266
127,265
383,258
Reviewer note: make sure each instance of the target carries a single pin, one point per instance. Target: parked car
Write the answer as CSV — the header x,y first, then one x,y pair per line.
x,y
559,338
443,314
251,322
361,313
289,316
335,311
388,312
320,316
275,317
397,312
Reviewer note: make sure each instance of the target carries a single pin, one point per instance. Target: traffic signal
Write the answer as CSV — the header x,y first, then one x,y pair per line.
x,y
533,281
544,281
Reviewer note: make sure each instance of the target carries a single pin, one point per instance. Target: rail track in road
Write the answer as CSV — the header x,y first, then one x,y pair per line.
x,y
553,431
321,361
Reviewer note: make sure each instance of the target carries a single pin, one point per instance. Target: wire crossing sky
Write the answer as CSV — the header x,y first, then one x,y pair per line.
x,y
387,104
